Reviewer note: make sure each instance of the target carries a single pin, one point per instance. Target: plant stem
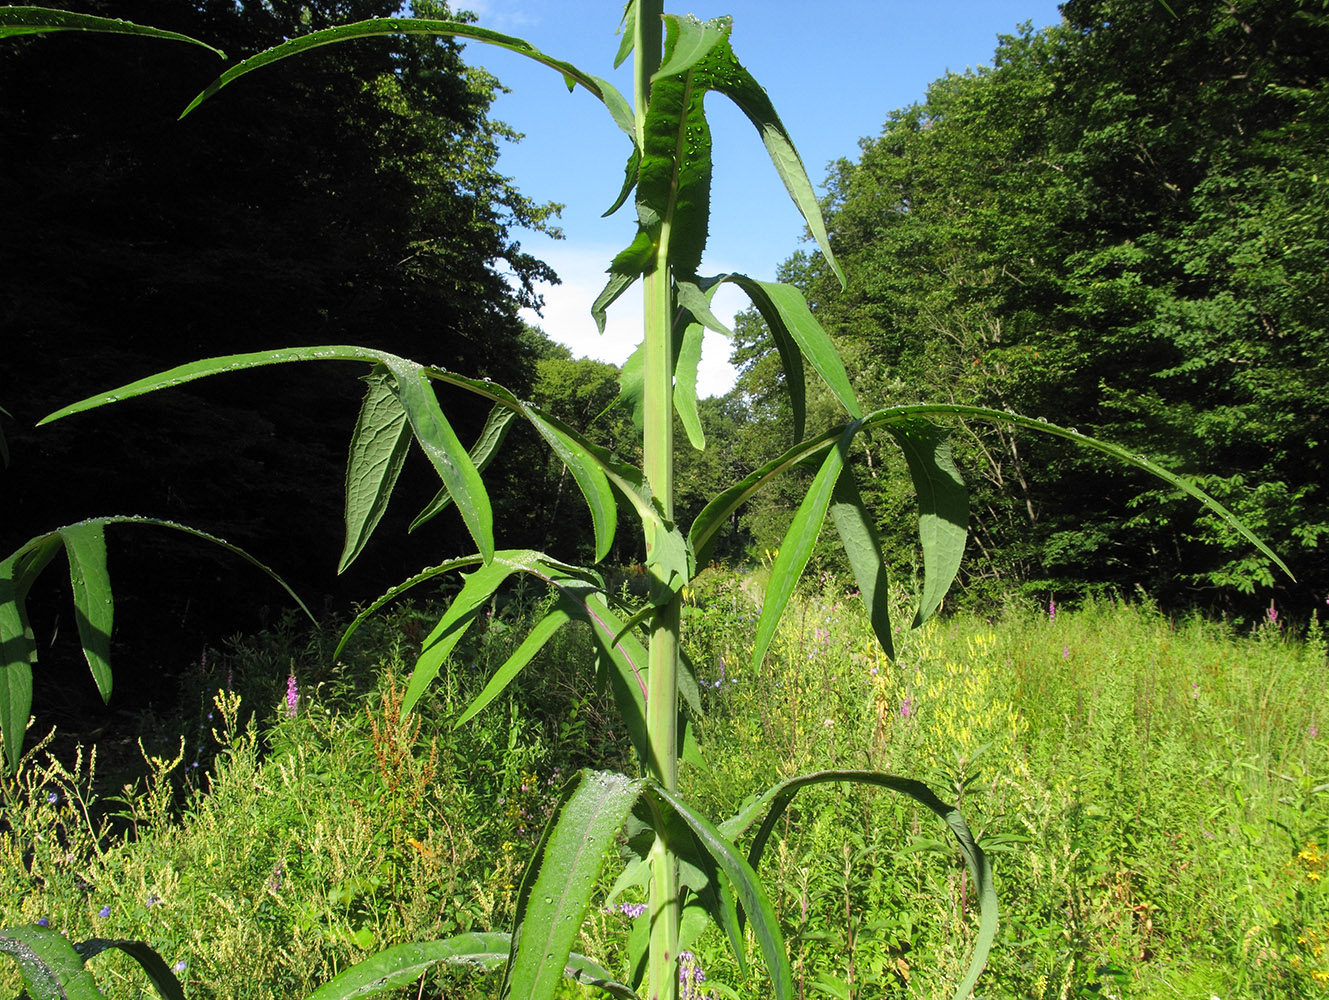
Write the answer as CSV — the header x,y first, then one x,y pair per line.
x,y
658,459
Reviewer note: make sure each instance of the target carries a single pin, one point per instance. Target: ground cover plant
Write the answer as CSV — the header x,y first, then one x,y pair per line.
x,y
1153,789
687,864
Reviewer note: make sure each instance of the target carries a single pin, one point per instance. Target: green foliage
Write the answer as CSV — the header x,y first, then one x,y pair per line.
x,y
687,860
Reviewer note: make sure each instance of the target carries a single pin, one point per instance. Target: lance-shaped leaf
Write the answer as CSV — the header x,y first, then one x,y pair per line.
x,y
152,964
430,426
482,453
85,549
714,515
402,26
695,43
589,476
943,508
424,576
746,886
770,806
799,541
535,640
50,967
379,443
94,612
443,638
895,414
556,888
858,535
37,20
797,335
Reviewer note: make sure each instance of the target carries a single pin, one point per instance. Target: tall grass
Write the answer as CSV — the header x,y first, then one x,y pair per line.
x,y
1154,791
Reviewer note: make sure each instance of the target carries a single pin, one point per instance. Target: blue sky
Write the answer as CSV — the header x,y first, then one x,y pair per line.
x,y
833,76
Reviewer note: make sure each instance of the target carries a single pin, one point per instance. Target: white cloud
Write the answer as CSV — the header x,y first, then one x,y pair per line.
x,y
567,315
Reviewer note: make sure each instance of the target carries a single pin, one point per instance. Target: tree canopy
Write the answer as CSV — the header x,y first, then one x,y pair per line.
x,y
1121,226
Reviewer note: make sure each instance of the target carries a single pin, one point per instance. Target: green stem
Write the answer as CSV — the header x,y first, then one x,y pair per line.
x,y
658,460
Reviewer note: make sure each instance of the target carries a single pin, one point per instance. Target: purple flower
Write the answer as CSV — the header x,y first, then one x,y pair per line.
x,y
104,912
906,708
1052,609
153,900
1065,652
632,910
1313,732
1272,614
53,797
292,695
180,966
1195,690
43,922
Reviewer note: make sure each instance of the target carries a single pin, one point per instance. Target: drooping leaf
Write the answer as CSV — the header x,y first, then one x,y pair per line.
x,y
36,20
728,77
379,444
799,541
715,514
152,964
512,666
478,587
445,451
18,648
771,804
393,593
590,478
746,886
858,535
94,611
788,317
403,964
556,888
396,26
482,453
630,264
51,968
943,508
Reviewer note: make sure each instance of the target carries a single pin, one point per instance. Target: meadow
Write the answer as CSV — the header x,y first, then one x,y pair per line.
x,y
1154,791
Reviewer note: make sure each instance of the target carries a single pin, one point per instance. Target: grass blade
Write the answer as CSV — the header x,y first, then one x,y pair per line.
x,y
378,450
94,610
556,889
18,648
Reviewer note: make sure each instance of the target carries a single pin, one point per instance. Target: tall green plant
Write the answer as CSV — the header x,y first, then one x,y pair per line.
x,y
690,862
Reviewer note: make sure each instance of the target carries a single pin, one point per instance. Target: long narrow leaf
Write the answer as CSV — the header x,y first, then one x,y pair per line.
x,y
483,451
799,541
770,806
512,666
556,889
756,903
786,313
396,26
36,20
51,968
858,535
94,611
379,443
943,508
403,964
423,576
152,964
18,648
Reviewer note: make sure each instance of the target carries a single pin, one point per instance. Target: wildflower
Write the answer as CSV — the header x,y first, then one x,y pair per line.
x,y
1272,614
43,922
180,966
1052,609
1313,732
292,695
632,910
1195,690
104,912
152,900
1065,652
690,977
906,708
52,797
